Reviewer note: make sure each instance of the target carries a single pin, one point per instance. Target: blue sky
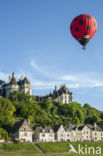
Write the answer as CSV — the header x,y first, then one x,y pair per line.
x,y
35,41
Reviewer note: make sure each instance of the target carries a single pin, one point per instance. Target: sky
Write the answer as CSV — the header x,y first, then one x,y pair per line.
x,y
35,41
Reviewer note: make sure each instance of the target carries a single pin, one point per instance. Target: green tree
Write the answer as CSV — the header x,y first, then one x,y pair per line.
x,y
47,105
4,135
76,121
21,97
6,113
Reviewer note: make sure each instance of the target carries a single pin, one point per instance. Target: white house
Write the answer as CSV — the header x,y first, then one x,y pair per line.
x,y
59,133
44,134
96,132
68,130
22,131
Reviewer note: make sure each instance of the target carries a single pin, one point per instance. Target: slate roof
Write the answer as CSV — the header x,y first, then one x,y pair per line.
x,y
89,126
16,126
81,127
13,81
20,82
46,129
62,90
67,128
74,127
25,80
56,127
97,128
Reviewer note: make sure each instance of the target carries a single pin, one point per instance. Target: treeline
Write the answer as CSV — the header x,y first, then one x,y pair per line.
x,y
46,113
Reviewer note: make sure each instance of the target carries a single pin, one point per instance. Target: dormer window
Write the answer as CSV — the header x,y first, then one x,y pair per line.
x,y
43,130
43,135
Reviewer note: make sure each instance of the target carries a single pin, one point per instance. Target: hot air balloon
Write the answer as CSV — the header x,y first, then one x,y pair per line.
x,y
83,28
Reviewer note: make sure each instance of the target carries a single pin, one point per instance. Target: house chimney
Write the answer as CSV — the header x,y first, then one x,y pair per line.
x,y
28,120
95,125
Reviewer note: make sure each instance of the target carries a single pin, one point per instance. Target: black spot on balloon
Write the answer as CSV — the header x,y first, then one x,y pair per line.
x,y
77,29
70,27
88,17
88,27
79,39
75,19
94,23
95,31
75,36
81,22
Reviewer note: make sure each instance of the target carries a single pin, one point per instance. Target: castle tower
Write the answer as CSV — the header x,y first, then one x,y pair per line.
x,y
11,86
25,87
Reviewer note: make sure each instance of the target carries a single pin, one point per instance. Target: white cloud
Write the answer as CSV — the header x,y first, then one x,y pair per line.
x,y
85,80
69,77
77,80
38,68
36,84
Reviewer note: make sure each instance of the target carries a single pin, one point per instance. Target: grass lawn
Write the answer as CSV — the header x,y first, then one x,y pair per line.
x,y
49,149
54,147
27,148
20,154
64,147
39,154
20,147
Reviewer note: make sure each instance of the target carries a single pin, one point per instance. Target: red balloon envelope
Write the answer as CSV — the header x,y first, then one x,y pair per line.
x,y
83,28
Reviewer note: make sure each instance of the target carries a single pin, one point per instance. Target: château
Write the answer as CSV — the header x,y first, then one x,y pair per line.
x,y
23,85
60,95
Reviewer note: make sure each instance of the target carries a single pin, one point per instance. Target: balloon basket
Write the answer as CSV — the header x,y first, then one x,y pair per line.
x,y
83,47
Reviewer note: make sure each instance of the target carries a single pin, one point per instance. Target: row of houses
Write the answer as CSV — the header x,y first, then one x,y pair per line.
x,y
23,132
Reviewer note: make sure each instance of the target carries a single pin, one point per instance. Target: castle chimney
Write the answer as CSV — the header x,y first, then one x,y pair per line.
x,y
61,86
21,78
55,88
13,75
9,78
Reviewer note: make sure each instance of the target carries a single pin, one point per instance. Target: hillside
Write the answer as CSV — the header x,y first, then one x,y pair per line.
x,y
20,106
